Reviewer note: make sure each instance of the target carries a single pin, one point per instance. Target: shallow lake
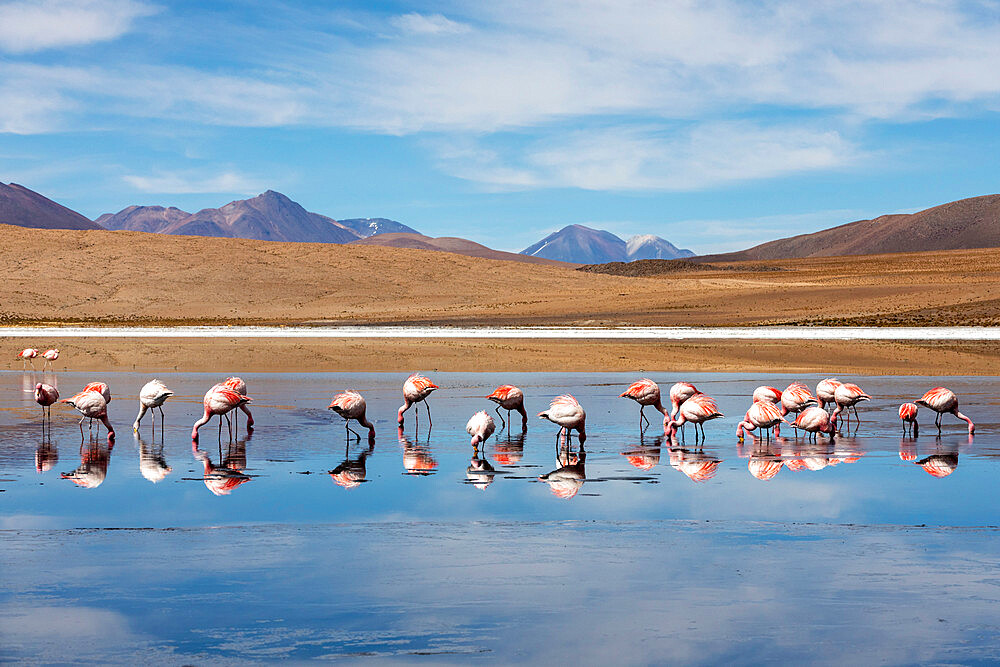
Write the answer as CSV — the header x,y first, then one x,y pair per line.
x,y
299,542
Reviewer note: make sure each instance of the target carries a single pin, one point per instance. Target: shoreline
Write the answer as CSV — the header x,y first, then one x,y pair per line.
x,y
233,354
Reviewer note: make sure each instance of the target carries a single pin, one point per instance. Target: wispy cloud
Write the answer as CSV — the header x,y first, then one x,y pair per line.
x,y
190,182
428,24
649,158
46,24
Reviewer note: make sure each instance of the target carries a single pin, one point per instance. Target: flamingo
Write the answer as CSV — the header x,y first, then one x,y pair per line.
x,y
26,355
101,389
848,395
815,420
416,388
45,396
566,411
240,387
644,392
796,398
825,391
480,427
761,415
768,394
218,400
50,357
351,405
680,392
91,405
152,395
908,415
698,409
942,400
509,397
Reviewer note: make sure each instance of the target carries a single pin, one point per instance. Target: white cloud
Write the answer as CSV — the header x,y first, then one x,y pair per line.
x,y
45,24
623,159
195,183
428,24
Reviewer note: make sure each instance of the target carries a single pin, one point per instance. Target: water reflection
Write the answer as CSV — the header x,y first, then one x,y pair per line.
x,y
644,456
152,464
509,450
696,463
943,460
766,458
46,455
353,471
417,458
567,480
224,478
480,472
95,456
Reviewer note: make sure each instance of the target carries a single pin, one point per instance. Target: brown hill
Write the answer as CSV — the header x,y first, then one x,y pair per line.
x,y
142,218
966,223
26,208
133,277
453,244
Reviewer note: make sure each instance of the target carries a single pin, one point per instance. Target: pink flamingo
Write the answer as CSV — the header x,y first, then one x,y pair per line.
x,y
761,415
240,387
480,427
50,357
942,400
26,355
45,396
848,395
680,392
568,414
825,391
644,392
218,401
796,398
767,394
351,405
815,420
908,415
416,389
91,405
101,389
698,409
509,397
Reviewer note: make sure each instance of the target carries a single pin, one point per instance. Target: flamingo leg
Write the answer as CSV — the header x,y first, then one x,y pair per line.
x,y
428,406
347,425
503,424
642,418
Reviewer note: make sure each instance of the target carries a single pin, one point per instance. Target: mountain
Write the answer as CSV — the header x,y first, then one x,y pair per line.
x,y
142,218
583,245
450,244
647,246
371,226
962,224
26,208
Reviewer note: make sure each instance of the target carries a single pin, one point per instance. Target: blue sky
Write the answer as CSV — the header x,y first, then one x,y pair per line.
x,y
716,125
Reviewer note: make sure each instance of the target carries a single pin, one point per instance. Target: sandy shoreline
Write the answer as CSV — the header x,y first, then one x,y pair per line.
x,y
231,355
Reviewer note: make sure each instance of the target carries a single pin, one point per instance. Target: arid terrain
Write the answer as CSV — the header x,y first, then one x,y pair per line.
x,y
61,276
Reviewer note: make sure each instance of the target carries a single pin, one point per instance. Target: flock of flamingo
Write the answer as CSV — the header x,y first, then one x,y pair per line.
x,y
768,411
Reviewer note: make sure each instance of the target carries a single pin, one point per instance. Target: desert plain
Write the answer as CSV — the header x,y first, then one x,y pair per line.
x,y
133,278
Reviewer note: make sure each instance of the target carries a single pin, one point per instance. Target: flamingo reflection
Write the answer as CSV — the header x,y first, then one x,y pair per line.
x,y
222,479
417,458
46,455
152,465
764,457
644,456
510,450
696,464
353,471
480,472
95,456
943,461
567,480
